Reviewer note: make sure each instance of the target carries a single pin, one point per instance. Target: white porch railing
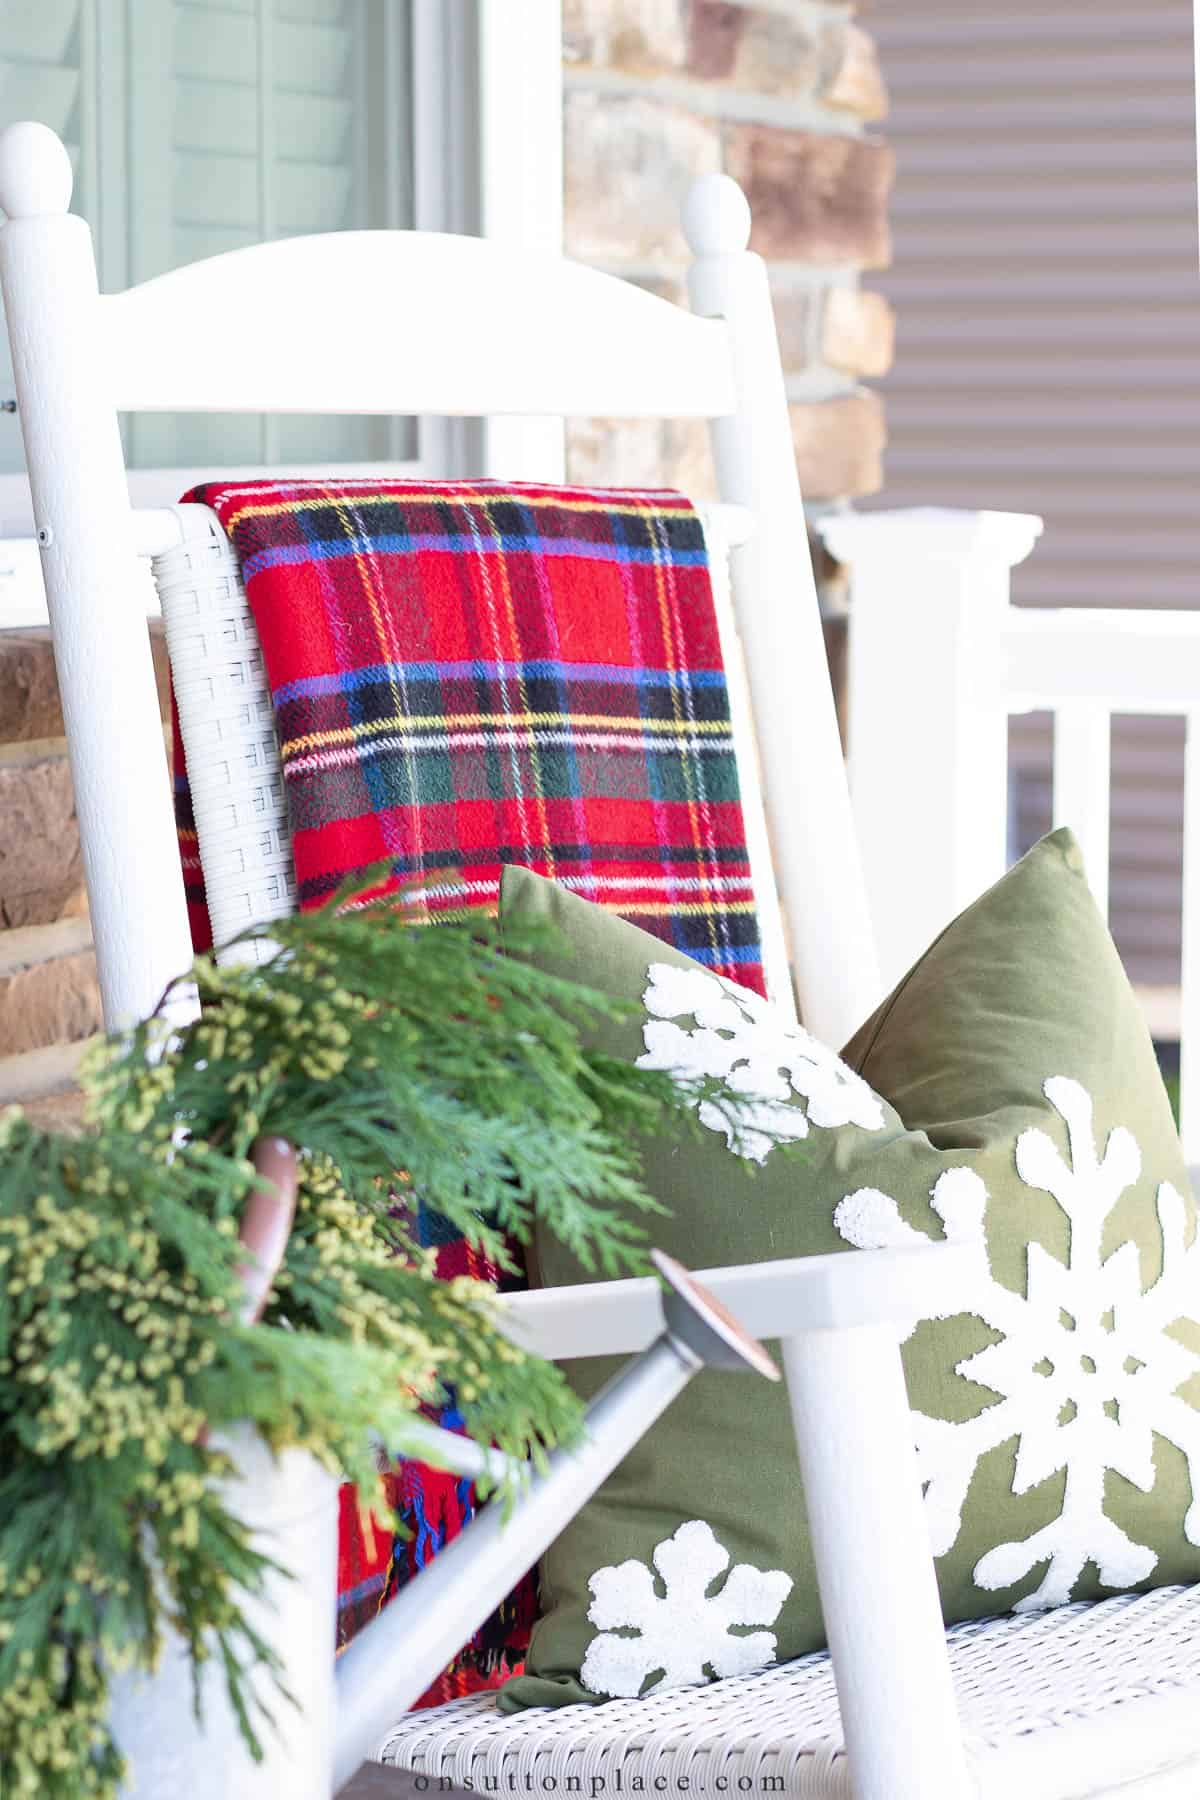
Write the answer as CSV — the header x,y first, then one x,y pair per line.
x,y
939,660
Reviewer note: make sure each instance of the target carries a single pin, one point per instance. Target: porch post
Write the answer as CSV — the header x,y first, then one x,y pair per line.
x,y
928,716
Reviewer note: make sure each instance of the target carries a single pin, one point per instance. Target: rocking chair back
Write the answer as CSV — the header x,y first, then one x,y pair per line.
x,y
252,331
400,322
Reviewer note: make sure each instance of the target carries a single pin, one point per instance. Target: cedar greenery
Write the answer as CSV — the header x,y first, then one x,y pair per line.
x,y
403,1062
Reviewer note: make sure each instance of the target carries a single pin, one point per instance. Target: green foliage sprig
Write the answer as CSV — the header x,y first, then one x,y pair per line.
x,y
409,1066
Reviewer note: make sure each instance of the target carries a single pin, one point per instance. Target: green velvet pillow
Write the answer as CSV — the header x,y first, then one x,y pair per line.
x,y
1006,1091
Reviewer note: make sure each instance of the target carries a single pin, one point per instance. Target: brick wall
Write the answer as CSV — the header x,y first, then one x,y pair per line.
x,y
783,97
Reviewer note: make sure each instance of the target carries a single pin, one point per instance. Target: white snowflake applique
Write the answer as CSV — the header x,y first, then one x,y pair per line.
x,y
685,1634
1084,1368
742,1040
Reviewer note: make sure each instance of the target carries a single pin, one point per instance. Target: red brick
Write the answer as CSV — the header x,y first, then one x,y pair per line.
x,y
760,49
629,162
29,703
858,331
839,445
797,318
636,37
41,868
715,30
64,1113
857,83
642,453
813,198
49,993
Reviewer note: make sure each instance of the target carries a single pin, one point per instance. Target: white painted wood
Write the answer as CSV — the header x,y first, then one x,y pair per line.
x,y
804,782
450,1450
106,677
1189,999
521,188
1071,1704
1083,786
1127,661
928,712
78,357
161,488
392,1662
532,333
266,175
446,176
290,1506
866,1519
725,529
771,1300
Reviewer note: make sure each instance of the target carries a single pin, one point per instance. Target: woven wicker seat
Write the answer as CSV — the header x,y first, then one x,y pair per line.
x,y
1055,1706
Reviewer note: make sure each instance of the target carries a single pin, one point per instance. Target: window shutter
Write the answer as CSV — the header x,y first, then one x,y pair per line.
x,y
39,65
314,178
266,134
222,123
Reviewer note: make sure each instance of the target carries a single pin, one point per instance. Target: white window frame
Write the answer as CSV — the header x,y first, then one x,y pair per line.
x,y
487,156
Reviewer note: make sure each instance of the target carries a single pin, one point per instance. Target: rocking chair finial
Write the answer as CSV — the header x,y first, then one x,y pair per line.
x,y
35,171
716,217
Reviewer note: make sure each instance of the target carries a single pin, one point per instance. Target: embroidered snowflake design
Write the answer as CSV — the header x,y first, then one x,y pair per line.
x,y
685,1634
740,1038
1084,1368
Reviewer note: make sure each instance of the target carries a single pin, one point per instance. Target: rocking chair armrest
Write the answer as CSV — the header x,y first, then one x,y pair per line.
x,y
841,1319
771,1300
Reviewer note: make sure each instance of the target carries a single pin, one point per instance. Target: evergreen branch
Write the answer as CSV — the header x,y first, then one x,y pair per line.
x,y
412,1068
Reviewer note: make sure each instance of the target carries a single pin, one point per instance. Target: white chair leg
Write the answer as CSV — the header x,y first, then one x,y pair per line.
x,y
875,1573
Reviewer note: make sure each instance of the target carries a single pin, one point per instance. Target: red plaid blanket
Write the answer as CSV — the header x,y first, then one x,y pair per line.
x,y
467,674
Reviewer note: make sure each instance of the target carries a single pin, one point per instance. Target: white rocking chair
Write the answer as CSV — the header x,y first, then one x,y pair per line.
x,y
1088,1701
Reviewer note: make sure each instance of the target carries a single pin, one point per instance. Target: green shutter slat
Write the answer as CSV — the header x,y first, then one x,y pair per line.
x,y
40,31
319,12
314,199
192,243
220,46
215,117
221,190
39,79
34,91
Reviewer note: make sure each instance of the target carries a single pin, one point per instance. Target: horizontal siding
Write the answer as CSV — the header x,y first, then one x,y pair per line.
x,y
1048,298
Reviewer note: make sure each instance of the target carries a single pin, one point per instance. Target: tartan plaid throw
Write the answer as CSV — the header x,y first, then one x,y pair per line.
x,y
466,674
